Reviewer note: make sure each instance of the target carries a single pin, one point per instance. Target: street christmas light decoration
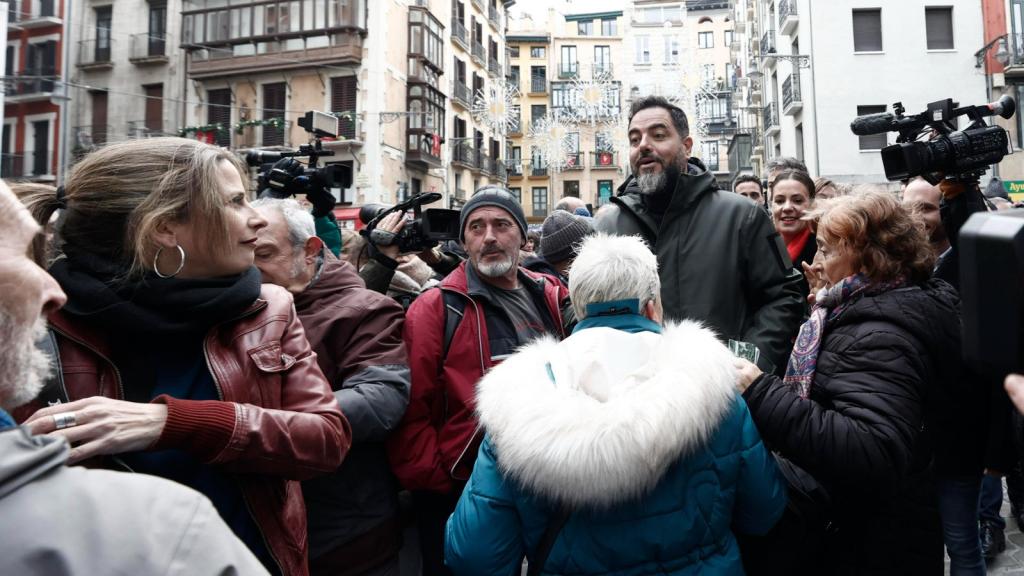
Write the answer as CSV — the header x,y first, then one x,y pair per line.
x,y
497,107
550,136
594,100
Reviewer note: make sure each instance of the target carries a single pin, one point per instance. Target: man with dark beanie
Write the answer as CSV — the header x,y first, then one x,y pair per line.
x,y
479,315
720,259
560,237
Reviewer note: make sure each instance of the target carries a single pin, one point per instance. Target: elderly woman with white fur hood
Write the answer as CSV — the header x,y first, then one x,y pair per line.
x,y
626,446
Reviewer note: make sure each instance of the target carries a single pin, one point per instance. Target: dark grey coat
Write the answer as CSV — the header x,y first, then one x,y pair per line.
x,y
720,260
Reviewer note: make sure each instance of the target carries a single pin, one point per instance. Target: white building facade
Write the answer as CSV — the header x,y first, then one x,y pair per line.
x,y
861,57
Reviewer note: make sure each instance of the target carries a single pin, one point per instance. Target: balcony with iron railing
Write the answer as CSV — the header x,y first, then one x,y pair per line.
x,y
771,119
500,170
494,68
515,167
461,94
788,18
460,36
538,86
1014,69
538,170
515,125
29,164
792,102
29,86
238,39
139,129
479,53
604,160
94,54
494,17
147,49
602,69
463,153
487,164
28,14
575,161
768,49
568,70
90,137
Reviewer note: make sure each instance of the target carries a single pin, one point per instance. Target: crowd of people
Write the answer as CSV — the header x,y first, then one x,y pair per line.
x,y
691,380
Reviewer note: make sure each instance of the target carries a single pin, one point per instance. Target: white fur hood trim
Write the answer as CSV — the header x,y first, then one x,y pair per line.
x,y
623,408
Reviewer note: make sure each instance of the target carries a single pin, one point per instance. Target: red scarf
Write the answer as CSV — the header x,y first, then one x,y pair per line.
x,y
796,245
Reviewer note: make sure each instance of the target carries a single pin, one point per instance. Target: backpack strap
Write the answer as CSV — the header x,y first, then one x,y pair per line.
x,y
53,391
547,541
454,311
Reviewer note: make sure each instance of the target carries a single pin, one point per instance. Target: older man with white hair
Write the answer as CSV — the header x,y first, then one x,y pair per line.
x,y
61,520
357,336
623,448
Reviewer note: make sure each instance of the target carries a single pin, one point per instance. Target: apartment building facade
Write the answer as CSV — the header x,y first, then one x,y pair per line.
x,y
34,90
552,57
126,74
809,68
681,50
1001,59
396,75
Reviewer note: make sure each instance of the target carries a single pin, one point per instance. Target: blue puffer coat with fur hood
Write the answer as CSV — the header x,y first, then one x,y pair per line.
x,y
642,435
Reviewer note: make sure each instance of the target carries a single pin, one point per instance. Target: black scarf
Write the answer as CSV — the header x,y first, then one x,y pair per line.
x,y
141,315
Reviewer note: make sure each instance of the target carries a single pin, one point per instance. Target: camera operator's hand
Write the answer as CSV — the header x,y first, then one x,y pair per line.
x,y
280,177
392,224
1014,385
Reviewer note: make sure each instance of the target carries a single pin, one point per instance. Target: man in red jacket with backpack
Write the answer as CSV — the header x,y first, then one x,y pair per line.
x,y
480,314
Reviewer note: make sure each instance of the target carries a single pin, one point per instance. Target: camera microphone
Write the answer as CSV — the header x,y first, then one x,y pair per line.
x,y
869,124
1005,107
258,157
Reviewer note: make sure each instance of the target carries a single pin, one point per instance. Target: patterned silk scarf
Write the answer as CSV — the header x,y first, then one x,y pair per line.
x,y
830,303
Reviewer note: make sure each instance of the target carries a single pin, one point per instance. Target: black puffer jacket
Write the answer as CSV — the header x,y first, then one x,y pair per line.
x,y
862,432
719,258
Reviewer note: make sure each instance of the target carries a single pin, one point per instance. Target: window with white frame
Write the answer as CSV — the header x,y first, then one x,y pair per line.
x,y
938,21
672,49
643,49
709,154
705,39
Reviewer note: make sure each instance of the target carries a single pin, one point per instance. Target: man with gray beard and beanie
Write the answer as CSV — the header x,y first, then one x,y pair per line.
x,y
719,257
59,520
480,314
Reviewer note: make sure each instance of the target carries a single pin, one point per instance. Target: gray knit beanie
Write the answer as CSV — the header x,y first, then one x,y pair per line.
x,y
493,196
561,234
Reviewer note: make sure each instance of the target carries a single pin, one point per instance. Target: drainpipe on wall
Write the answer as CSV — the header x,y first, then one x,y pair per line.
x,y
65,129
814,92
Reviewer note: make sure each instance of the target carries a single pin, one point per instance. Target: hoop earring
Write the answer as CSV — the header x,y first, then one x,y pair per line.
x,y
181,265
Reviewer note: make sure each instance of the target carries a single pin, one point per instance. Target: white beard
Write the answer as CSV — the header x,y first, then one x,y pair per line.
x,y
651,182
23,367
495,269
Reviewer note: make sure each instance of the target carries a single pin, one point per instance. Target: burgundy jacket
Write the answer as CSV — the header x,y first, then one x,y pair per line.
x,y
277,423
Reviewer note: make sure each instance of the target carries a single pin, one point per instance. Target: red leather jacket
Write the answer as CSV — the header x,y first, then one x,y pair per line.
x,y
278,421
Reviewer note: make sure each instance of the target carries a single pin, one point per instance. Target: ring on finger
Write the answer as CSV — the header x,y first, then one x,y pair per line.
x,y
64,420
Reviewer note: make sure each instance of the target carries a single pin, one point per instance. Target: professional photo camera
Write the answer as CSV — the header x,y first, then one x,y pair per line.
x,y
929,144
427,228
281,175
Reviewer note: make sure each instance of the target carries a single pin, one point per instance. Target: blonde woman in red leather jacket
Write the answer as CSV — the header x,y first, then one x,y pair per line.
x,y
176,360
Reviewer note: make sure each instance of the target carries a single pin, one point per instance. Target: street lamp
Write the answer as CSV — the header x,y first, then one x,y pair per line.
x,y
1002,56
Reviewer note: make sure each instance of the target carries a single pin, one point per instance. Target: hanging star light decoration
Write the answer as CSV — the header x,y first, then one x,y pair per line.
x,y
595,100
550,136
497,107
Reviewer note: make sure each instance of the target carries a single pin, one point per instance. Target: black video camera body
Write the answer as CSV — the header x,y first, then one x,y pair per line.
x,y
426,229
313,179
929,144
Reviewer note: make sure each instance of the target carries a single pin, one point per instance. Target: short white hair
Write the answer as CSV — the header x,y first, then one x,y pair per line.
x,y
299,221
610,268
